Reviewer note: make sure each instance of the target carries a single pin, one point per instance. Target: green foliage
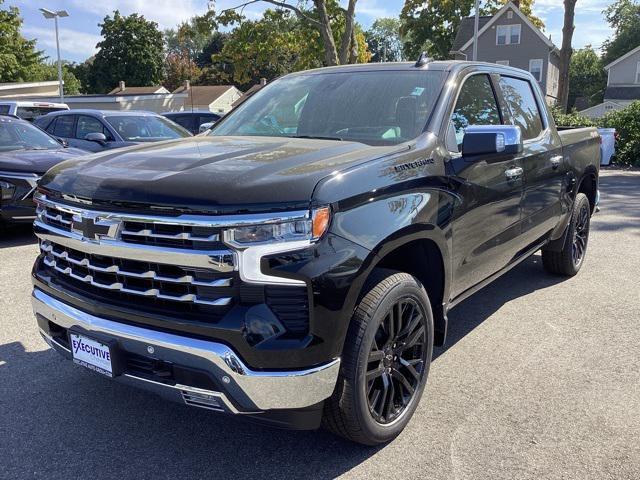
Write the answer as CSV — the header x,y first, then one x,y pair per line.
x,y
431,26
177,69
383,40
572,119
131,50
19,60
627,125
276,44
624,17
587,77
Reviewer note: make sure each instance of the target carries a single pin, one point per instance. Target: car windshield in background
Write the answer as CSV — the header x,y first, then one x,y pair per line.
x,y
145,128
31,113
16,135
376,108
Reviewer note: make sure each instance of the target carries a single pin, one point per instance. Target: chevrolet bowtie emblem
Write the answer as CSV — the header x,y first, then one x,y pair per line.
x,y
94,228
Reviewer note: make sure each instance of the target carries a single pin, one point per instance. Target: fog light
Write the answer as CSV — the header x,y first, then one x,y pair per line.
x,y
7,190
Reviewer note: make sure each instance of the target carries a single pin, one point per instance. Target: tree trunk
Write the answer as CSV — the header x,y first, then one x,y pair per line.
x,y
330,52
565,53
346,45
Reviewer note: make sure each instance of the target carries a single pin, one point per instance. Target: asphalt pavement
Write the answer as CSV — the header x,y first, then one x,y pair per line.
x,y
540,379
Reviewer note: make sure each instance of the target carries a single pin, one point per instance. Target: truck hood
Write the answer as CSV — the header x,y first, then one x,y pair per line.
x,y
36,161
217,174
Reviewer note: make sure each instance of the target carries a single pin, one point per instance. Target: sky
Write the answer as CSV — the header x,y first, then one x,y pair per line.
x,y
80,32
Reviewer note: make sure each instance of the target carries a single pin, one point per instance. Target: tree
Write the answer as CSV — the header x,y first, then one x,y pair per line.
x,y
131,50
624,17
565,53
383,40
276,44
177,69
587,78
321,20
19,60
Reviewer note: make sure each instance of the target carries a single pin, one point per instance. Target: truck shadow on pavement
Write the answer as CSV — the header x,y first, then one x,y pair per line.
x,y
16,235
60,421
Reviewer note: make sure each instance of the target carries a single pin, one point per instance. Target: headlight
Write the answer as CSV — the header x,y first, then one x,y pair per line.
x,y
298,229
7,189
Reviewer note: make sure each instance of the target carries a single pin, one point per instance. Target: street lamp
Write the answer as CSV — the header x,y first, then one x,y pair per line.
x,y
49,14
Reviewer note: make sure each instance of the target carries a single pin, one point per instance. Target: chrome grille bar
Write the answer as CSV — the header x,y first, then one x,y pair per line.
x,y
117,270
178,236
152,292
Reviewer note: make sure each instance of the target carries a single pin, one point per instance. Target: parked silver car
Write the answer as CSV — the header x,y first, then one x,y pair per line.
x,y
97,130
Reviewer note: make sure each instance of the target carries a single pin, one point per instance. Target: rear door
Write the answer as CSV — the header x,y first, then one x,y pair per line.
x,y
63,127
542,160
486,234
187,121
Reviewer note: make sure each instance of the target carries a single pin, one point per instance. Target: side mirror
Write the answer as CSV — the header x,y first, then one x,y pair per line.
x,y
498,140
62,142
96,137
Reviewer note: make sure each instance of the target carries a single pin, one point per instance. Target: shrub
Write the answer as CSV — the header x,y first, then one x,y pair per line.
x,y
627,125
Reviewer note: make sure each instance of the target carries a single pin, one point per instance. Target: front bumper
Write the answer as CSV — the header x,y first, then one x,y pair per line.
x,y
242,390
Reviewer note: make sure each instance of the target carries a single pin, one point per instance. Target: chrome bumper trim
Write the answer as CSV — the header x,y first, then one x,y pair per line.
x,y
252,390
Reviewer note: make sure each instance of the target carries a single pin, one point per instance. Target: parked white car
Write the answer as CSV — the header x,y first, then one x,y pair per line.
x,y
29,110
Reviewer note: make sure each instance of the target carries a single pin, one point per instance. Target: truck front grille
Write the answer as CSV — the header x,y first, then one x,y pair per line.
x,y
160,234
156,281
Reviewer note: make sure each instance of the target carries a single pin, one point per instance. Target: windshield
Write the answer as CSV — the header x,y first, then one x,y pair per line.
x,y
146,128
376,108
17,135
31,113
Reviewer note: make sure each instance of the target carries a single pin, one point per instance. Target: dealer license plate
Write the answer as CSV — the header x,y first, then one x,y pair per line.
x,y
91,354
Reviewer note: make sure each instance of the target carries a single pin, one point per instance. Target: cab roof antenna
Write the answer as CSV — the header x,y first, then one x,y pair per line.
x,y
423,60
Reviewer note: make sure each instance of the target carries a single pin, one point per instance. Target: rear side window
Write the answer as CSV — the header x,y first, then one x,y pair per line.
x,y
522,107
476,105
185,121
64,126
4,109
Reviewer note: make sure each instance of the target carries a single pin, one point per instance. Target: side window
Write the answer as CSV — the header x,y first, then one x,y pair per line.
x,y
476,105
522,106
4,109
64,126
185,121
51,126
87,125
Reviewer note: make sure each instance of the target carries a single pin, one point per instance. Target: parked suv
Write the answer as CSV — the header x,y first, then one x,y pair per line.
x,y
28,110
193,121
96,130
296,265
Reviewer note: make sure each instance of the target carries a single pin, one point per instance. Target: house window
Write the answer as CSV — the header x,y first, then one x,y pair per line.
x,y
638,73
509,14
503,62
508,34
535,67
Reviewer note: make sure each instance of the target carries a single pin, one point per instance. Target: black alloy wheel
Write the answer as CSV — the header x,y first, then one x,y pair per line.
x,y
580,235
396,361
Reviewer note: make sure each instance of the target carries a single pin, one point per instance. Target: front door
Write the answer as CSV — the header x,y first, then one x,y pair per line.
x,y
486,233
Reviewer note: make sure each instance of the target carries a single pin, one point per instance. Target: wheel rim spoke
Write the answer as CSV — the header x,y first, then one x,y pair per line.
x,y
395,370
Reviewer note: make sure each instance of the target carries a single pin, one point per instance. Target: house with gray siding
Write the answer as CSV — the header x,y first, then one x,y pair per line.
x,y
509,38
623,85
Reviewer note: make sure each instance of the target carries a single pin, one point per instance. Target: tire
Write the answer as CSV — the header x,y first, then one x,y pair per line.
x,y
570,259
371,403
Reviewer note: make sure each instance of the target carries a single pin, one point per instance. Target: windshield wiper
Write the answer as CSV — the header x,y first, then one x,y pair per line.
x,y
317,137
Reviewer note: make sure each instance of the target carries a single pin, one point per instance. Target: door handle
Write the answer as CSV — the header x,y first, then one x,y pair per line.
x,y
513,173
555,161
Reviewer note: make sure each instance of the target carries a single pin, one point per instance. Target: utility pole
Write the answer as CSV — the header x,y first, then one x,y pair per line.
x,y
49,14
476,24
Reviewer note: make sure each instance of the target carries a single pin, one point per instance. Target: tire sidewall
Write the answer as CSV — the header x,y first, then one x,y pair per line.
x,y
374,430
581,202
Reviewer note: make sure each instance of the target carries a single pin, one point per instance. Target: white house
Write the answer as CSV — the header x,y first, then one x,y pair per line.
x,y
215,98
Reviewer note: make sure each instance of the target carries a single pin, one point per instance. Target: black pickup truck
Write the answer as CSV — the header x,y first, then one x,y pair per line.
x,y
296,265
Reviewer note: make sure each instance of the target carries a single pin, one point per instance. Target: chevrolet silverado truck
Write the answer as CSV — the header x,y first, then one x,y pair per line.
x,y
296,265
